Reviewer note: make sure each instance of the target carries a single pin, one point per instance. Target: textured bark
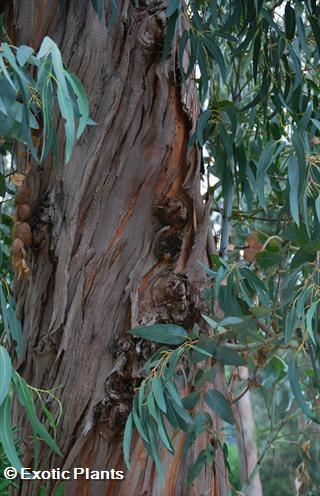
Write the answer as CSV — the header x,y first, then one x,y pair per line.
x,y
246,439
96,267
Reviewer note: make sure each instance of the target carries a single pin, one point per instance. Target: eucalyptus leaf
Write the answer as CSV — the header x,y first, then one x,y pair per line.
x,y
219,405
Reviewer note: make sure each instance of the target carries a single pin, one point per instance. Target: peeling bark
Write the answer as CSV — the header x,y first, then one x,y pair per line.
x,y
104,259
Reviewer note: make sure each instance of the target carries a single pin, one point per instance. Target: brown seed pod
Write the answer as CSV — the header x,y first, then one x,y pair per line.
x,y
17,247
23,211
22,230
23,195
253,247
21,267
18,179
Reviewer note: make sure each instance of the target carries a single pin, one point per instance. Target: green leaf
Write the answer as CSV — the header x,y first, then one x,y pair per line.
x,y
309,317
59,491
151,405
290,324
299,148
6,437
204,80
317,206
206,375
173,5
254,281
98,6
170,34
14,324
170,386
5,373
171,415
161,333
25,397
4,485
215,52
267,157
141,398
289,21
314,22
304,121
232,115
260,312
197,466
6,73
227,143
194,333
229,357
157,415
172,363
23,54
137,419
202,125
269,258
2,185
113,11
64,99
205,348
182,46
256,55
296,389
201,351
82,101
157,389
191,400
219,405
230,321
45,47
302,35
127,436
273,372
212,323
4,311
152,431
182,413
293,174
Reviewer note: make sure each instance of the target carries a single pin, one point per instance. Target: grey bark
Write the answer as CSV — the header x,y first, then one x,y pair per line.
x,y
246,439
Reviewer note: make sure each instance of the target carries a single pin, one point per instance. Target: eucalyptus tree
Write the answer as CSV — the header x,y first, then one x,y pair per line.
x,y
112,235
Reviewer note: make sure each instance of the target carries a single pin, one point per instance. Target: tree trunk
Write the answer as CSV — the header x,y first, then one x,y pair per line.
x,y
99,265
246,439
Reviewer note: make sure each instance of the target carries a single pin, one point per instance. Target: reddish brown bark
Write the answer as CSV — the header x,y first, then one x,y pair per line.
x,y
94,271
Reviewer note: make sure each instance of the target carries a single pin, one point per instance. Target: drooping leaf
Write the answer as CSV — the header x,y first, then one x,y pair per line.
x,y
197,466
127,436
293,174
23,54
229,356
5,373
161,333
230,321
297,392
6,437
157,389
25,398
219,405
215,52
